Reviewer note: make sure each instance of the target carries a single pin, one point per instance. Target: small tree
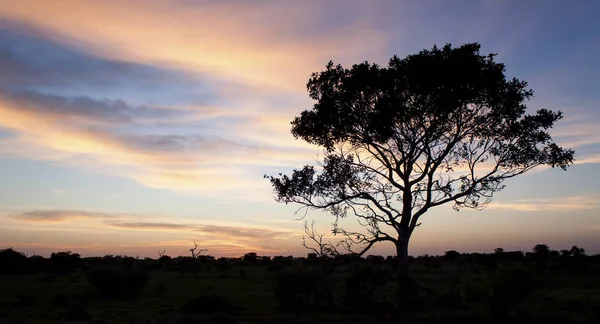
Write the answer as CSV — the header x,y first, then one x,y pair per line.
x,y
451,255
541,250
443,126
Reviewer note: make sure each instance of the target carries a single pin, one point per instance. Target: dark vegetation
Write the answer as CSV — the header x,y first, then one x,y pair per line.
x,y
542,286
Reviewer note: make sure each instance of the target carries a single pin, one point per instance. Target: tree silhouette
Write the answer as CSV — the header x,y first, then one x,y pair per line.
x,y
443,126
541,250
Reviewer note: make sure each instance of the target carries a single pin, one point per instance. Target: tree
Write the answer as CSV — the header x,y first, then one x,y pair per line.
x,y
541,250
577,252
443,126
451,255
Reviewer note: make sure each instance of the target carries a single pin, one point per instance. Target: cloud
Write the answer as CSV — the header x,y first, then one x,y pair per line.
x,y
85,110
265,44
149,226
217,232
52,216
45,129
566,204
241,232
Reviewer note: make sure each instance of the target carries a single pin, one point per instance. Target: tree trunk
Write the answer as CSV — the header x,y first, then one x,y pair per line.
x,y
404,288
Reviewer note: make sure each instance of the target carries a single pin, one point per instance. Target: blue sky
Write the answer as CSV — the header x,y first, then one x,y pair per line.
x,y
129,126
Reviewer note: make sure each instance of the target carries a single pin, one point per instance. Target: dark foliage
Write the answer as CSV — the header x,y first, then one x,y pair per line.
x,y
209,304
13,262
64,262
302,291
362,285
508,288
117,284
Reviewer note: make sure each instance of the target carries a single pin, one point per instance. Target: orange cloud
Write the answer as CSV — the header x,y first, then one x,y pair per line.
x,y
257,43
182,163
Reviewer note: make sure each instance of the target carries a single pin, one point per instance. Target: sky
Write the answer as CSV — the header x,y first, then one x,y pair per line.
x,y
128,127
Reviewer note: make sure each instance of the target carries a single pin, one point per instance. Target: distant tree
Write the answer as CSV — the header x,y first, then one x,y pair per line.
x,y
64,262
451,255
375,259
12,262
541,250
498,250
577,252
195,253
443,126
250,257
565,253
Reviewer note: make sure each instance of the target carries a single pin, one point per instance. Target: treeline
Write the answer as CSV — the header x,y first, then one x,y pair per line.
x,y
540,258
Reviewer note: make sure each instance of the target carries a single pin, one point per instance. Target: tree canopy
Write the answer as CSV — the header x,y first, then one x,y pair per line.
x,y
443,126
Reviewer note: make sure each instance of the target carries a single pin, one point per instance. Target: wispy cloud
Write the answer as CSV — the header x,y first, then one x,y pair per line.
x,y
184,162
215,231
60,215
150,226
560,204
231,231
243,46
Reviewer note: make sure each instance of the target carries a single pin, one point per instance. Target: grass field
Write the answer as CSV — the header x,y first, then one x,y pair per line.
x,y
246,294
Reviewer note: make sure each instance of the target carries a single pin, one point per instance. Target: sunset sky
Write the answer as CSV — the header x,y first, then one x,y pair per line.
x,y
132,126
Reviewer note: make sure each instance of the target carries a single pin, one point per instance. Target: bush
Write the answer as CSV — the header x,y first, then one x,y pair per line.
x,y
195,319
26,300
13,262
362,284
161,289
117,285
209,304
78,313
508,288
60,299
300,290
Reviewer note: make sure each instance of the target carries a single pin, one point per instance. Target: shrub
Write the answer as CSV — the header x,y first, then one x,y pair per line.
x,y
78,313
196,319
508,288
12,262
60,299
209,304
300,290
161,289
117,285
362,284
26,300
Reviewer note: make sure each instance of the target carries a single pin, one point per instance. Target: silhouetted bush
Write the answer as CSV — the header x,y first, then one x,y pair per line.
x,y
299,291
161,289
78,313
64,262
508,288
13,262
26,300
209,304
204,319
362,284
474,291
60,299
118,285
